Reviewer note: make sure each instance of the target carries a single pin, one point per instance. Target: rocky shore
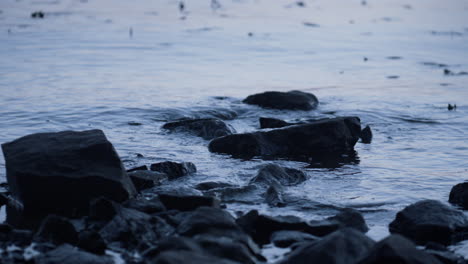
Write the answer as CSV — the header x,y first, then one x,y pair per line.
x,y
69,199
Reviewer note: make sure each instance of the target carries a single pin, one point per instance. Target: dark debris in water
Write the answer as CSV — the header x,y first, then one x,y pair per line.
x,y
37,14
451,73
434,64
394,58
393,77
310,24
447,33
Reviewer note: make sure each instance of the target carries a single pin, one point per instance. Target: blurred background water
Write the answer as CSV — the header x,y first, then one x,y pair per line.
x,y
104,64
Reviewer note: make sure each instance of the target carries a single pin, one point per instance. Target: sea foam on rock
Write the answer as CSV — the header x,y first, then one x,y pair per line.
x,y
326,136
292,100
62,172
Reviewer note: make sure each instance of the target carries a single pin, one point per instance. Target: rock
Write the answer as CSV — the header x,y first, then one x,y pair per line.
x,y
431,220
182,256
151,206
208,128
284,239
330,136
174,170
203,219
60,173
459,195
446,257
266,122
187,202
274,197
134,230
274,175
350,218
67,254
3,199
366,135
17,237
171,244
205,186
397,249
139,168
345,246
92,242
37,14
292,100
102,209
143,179
57,230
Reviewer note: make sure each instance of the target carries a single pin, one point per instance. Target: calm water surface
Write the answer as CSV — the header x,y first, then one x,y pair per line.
x,y
80,67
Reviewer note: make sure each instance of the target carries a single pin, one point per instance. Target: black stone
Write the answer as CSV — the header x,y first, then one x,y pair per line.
x,y
284,239
143,179
151,206
350,218
37,14
67,254
366,135
205,128
292,100
60,173
266,122
174,170
102,209
277,176
171,244
58,230
203,219
274,197
343,246
459,195
139,168
91,241
397,249
431,221
328,136
205,186
187,202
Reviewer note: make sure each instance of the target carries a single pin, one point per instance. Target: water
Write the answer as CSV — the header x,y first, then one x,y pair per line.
x,y
80,68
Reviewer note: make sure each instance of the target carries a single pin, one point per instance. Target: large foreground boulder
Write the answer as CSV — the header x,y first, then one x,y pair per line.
x,y
459,195
292,100
207,128
431,221
322,137
62,172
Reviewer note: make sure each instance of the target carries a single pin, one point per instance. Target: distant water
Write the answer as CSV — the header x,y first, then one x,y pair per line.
x,y
105,64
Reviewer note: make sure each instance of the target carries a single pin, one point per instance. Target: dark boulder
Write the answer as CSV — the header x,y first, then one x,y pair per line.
x,y
187,202
62,172
58,230
174,170
350,218
182,256
203,219
397,249
17,237
328,136
206,186
151,206
102,209
431,221
274,197
143,179
459,195
277,176
205,128
345,246
91,241
284,239
292,100
366,135
266,122
67,254
446,257
139,168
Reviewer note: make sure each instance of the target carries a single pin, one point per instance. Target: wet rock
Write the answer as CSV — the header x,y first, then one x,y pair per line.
x,y
277,176
91,241
17,237
37,14
205,186
171,244
203,219
431,220
343,246
3,199
62,172
139,168
350,218
151,206
132,229
182,256
187,202
206,128
366,135
67,254
459,195
266,122
292,100
284,239
102,209
446,257
58,230
328,136
274,197
143,179
174,170
397,249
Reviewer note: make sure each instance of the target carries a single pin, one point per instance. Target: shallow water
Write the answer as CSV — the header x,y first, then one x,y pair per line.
x,y
103,64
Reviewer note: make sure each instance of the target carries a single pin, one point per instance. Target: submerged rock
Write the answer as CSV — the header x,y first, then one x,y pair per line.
x,y
207,128
397,249
350,218
292,100
206,186
328,136
366,135
431,221
266,122
459,195
174,170
345,246
62,172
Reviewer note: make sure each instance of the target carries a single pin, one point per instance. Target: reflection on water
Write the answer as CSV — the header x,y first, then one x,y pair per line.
x,y
76,70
